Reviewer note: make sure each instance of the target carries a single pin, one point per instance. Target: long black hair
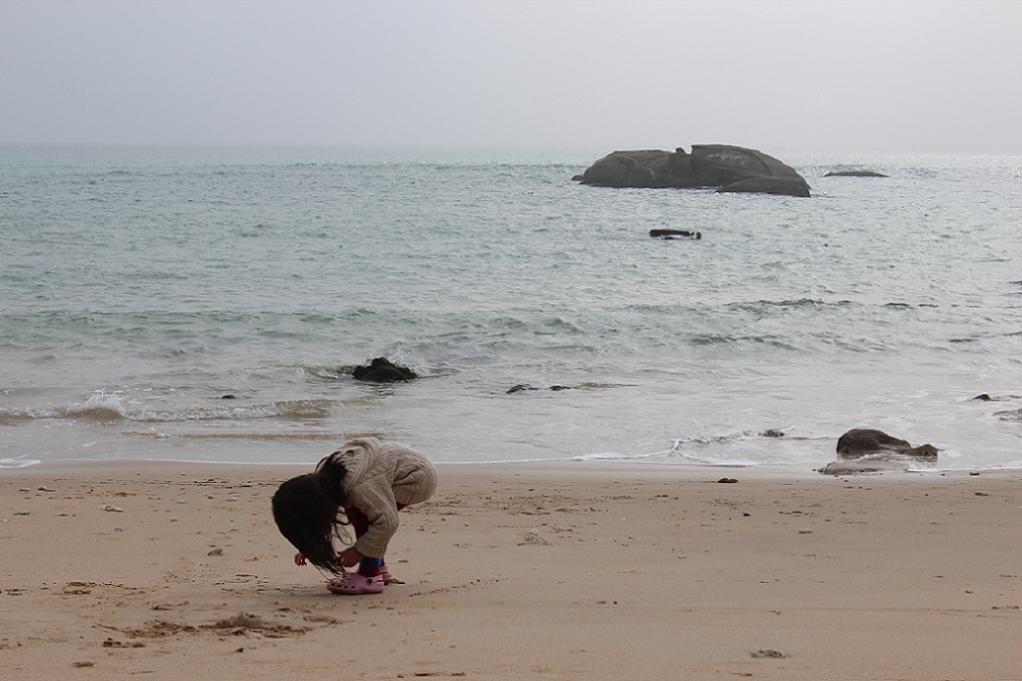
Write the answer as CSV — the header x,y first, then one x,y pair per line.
x,y
306,508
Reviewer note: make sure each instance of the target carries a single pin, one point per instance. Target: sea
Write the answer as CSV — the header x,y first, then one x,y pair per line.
x,y
209,304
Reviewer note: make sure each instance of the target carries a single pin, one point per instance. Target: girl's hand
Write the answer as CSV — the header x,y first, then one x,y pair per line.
x,y
349,557
299,559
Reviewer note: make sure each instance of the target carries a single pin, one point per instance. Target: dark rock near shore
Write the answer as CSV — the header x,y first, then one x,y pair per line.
x,y
709,165
382,370
987,397
674,233
860,442
854,173
864,450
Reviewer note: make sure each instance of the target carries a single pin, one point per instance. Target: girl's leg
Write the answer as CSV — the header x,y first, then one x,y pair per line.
x,y
367,567
384,571
358,521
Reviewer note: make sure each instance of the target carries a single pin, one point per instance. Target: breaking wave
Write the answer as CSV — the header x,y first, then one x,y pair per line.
x,y
18,463
105,408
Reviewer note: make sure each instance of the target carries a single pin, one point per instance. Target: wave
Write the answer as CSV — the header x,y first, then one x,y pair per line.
x,y
984,336
98,408
676,452
772,340
614,328
611,457
992,468
18,463
679,453
262,437
758,305
105,408
99,320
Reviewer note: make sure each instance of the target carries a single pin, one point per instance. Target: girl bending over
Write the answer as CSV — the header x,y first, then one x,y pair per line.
x,y
370,481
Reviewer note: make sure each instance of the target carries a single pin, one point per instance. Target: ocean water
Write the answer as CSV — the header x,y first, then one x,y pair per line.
x,y
138,287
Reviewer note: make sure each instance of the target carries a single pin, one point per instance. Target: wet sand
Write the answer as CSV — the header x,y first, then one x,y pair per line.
x,y
563,572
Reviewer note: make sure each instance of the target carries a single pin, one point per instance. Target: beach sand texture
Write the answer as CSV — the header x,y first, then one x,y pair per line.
x,y
559,572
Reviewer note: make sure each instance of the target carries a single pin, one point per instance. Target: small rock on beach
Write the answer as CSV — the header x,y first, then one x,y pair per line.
x,y
768,653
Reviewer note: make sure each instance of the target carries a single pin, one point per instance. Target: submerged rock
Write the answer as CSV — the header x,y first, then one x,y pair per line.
x,y
854,173
859,467
987,397
525,387
726,167
382,370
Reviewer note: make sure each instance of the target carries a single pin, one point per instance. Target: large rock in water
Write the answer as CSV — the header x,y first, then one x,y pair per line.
x,y
728,168
860,442
382,370
865,450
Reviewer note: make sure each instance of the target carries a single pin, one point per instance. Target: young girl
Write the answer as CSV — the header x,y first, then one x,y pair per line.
x,y
371,481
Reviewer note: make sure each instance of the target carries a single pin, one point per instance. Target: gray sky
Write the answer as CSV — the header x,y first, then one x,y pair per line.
x,y
800,75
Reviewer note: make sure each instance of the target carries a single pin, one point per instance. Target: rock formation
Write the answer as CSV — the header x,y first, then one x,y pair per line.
x,y
728,168
382,370
860,442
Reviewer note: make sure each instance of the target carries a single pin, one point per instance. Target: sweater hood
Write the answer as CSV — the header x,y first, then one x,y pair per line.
x,y
356,455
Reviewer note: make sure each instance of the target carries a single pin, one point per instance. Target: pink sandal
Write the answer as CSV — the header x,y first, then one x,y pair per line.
x,y
354,584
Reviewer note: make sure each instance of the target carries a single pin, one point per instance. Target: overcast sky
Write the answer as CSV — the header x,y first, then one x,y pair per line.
x,y
928,75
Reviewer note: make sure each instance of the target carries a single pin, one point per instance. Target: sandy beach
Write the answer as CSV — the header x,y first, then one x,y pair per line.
x,y
561,572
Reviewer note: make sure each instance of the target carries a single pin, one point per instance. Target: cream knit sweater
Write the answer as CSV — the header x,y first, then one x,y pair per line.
x,y
380,476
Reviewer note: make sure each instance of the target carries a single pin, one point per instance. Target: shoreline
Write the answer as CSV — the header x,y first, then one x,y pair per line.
x,y
559,572
686,471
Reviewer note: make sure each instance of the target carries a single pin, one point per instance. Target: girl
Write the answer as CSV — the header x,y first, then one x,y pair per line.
x,y
371,481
